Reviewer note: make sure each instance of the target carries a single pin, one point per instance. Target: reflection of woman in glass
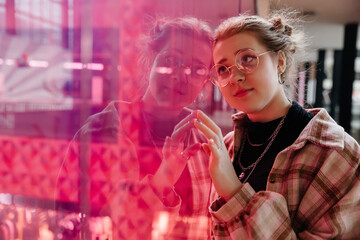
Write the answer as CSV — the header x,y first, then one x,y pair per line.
x,y
284,172
153,176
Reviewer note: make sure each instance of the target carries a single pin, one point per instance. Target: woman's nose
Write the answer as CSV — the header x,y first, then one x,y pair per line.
x,y
181,74
236,75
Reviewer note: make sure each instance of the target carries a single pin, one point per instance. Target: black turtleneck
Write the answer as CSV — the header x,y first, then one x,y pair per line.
x,y
295,121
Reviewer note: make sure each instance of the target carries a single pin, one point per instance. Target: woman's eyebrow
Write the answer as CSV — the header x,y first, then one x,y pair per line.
x,y
197,60
241,49
221,61
236,52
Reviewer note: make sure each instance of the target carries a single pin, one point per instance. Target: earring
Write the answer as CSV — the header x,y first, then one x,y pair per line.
x,y
281,80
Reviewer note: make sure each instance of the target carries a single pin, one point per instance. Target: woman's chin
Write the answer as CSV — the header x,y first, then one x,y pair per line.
x,y
172,103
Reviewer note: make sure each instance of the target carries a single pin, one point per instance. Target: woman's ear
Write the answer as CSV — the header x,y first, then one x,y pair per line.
x,y
281,62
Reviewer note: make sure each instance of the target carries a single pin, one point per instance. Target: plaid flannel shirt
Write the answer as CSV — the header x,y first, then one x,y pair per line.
x,y
313,189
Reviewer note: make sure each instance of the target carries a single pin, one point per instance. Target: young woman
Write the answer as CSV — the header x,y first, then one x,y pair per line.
x,y
284,172
146,166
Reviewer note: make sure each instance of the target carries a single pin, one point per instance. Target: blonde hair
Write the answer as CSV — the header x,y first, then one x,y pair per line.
x,y
277,33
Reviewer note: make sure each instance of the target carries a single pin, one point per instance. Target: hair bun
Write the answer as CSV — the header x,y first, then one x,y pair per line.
x,y
158,27
278,26
288,30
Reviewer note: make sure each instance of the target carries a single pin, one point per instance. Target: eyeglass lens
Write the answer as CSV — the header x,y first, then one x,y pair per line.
x,y
169,64
245,61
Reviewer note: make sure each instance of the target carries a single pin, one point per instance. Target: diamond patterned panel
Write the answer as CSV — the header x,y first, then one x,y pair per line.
x,y
36,167
29,166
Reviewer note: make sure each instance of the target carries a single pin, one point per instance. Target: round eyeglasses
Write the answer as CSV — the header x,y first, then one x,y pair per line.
x,y
246,61
168,64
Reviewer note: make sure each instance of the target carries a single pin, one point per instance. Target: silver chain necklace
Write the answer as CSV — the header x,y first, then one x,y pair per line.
x,y
259,144
253,165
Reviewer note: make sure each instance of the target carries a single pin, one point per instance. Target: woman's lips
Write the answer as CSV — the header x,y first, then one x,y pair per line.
x,y
179,92
175,91
242,92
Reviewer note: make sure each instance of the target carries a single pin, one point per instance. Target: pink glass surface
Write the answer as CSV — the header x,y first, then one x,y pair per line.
x,y
60,63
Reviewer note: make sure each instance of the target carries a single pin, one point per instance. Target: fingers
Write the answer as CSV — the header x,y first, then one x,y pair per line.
x,y
186,120
206,148
182,129
167,142
209,133
179,134
178,148
171,145
191,151
214,148
209,123
185,155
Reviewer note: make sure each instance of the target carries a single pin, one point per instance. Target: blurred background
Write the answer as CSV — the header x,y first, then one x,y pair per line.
x,y
63,60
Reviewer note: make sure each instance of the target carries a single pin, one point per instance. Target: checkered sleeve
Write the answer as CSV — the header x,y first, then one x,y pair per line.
x,y
250,215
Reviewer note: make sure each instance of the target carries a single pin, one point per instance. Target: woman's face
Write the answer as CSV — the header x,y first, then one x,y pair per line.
x,y
180,71
257,92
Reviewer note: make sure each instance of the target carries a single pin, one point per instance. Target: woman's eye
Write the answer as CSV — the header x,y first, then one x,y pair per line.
x,y
221,70
247,59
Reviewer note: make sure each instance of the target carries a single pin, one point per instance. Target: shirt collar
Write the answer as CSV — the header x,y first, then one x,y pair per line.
x,y
321,130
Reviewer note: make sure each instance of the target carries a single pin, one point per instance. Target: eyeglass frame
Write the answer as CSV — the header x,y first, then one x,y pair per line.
x,y
184,67
235,64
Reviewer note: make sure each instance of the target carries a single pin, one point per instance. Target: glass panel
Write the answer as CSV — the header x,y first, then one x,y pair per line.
x,y
89,90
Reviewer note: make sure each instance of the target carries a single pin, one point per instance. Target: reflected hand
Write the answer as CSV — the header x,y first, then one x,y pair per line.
x,y
176,153
221,168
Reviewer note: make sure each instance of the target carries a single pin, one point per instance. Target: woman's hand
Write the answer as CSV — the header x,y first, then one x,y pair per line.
x,y
176,152
221,169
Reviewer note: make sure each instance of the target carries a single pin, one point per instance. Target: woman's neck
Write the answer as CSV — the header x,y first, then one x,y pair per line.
x,y
161,120
276,109
159,112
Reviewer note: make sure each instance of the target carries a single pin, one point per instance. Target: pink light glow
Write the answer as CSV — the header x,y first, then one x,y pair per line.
x,y
187,71
5,198
73,65
10,62
95,66
97,89
1,61
79,65
164,70
160,225
40,64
